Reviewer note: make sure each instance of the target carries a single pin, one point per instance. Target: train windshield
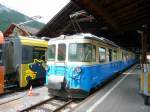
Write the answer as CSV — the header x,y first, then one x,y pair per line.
x,y
80,52
51,52
27,54
39,53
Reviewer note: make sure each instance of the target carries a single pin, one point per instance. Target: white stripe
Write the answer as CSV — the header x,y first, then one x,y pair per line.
x,y
103,97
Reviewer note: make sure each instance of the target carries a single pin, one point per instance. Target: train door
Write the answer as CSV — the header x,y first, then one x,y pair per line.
x,y
1,64
110,55
27,58
60,64
57,62
33,65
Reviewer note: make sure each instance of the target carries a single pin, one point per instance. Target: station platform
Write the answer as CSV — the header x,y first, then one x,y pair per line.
x,y
18,101
120,95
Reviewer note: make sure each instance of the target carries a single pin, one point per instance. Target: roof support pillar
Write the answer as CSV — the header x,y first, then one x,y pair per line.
x,y
144,37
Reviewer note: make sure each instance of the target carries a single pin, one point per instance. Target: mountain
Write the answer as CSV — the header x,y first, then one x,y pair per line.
x,y
8,16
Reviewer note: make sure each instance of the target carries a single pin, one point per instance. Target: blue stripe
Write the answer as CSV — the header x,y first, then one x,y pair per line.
x,y
90,76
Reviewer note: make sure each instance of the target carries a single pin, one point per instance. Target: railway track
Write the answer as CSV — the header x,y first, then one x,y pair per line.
x,y
54,104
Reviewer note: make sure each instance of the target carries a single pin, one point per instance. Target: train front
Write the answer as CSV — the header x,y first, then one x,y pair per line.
x,y
66,72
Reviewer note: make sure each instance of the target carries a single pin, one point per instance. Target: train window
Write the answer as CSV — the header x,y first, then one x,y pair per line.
x,y
27,54
102,54
94,53
115,55
61,52
110,55
51,52
39,53
125,56
80,52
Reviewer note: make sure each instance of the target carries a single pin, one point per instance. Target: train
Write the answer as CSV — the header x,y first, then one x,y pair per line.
x,y
78,63
23,61
2,70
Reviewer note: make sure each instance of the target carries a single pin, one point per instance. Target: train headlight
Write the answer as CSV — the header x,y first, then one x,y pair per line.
x,y
78,69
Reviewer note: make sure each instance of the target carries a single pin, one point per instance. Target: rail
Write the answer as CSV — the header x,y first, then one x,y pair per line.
x,y
53,104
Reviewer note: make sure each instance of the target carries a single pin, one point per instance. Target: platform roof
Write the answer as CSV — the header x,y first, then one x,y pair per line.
x,y
118,21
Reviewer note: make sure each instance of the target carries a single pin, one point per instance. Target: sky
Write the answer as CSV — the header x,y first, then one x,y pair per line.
x,y
44,8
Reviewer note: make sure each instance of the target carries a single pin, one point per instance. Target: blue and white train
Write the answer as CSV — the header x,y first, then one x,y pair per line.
x,y
80,62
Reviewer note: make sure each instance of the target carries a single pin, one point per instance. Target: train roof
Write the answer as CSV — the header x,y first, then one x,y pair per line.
x,y
29,41
84,36
33,42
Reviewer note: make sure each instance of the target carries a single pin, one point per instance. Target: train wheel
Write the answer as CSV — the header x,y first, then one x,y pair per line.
x,y
146,100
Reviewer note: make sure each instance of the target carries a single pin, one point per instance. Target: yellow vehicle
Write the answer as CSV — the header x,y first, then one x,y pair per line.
x,y
24,61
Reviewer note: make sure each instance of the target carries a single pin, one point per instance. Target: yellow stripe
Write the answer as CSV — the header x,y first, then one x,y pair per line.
x,y
33,42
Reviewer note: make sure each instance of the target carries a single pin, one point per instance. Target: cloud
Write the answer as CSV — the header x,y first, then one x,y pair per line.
x,y
44,8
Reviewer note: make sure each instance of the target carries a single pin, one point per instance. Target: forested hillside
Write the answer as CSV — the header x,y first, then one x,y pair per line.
x,y
8,16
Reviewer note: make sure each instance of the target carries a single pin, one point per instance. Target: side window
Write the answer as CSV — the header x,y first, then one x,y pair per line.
x,y
115,55
125,56
80,52
61,52
88,52
102,54
27,54
94,53
110,55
